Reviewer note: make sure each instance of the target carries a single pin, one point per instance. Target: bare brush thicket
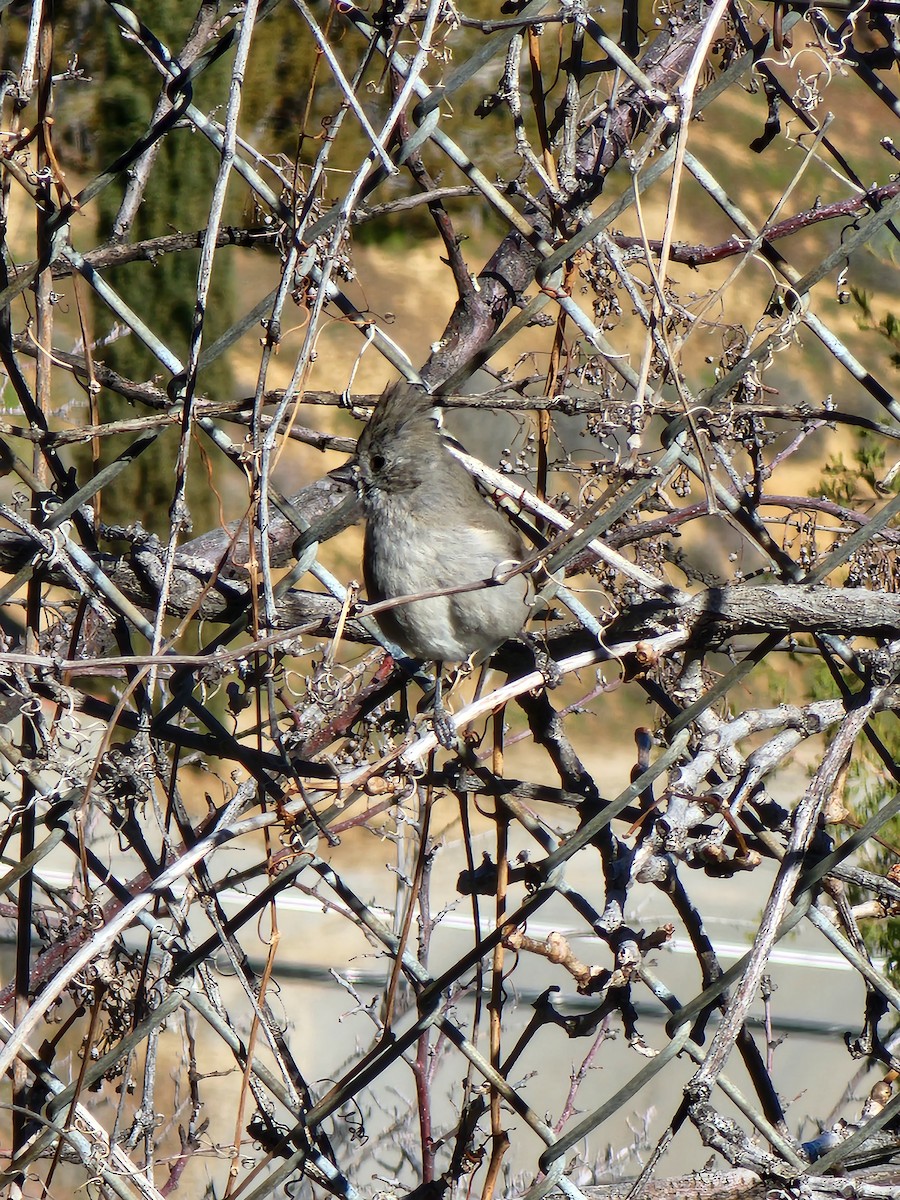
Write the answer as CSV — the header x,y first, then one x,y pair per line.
x,y
216,778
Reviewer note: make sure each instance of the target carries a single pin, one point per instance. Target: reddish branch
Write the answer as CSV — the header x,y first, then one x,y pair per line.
x,y
698,256
694,256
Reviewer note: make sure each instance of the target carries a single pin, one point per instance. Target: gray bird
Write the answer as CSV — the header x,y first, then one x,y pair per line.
x,y
428,527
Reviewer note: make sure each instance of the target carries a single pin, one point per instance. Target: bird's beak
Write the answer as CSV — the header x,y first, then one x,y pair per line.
x,y
347,473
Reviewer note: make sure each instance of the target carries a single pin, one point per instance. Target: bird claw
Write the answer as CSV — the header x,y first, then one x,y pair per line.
x,y
545,663
549,668
445,728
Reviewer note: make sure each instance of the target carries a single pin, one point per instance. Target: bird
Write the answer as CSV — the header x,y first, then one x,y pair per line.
x,y
429,528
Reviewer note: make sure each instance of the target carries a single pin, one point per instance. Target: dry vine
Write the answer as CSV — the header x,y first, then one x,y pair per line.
x,y
662,412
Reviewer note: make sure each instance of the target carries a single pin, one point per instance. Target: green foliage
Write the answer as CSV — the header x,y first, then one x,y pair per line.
x,y
888,326
869,783
850,484
176,197
289,98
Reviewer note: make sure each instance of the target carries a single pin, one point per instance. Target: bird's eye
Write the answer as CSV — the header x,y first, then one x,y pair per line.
x,y
377,461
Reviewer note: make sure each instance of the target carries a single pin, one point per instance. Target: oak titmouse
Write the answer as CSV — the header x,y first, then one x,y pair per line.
x,y
427,528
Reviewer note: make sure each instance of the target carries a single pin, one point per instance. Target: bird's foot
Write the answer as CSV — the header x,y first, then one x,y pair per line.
x,y
545,663
445,728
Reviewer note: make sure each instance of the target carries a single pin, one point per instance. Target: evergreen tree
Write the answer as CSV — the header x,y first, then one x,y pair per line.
x,y
162,292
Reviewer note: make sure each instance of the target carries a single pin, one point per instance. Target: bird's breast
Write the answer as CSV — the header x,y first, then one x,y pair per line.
x,y
406,555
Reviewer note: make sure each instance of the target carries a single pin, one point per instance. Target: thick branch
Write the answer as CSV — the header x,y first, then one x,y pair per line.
x,y
512,266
